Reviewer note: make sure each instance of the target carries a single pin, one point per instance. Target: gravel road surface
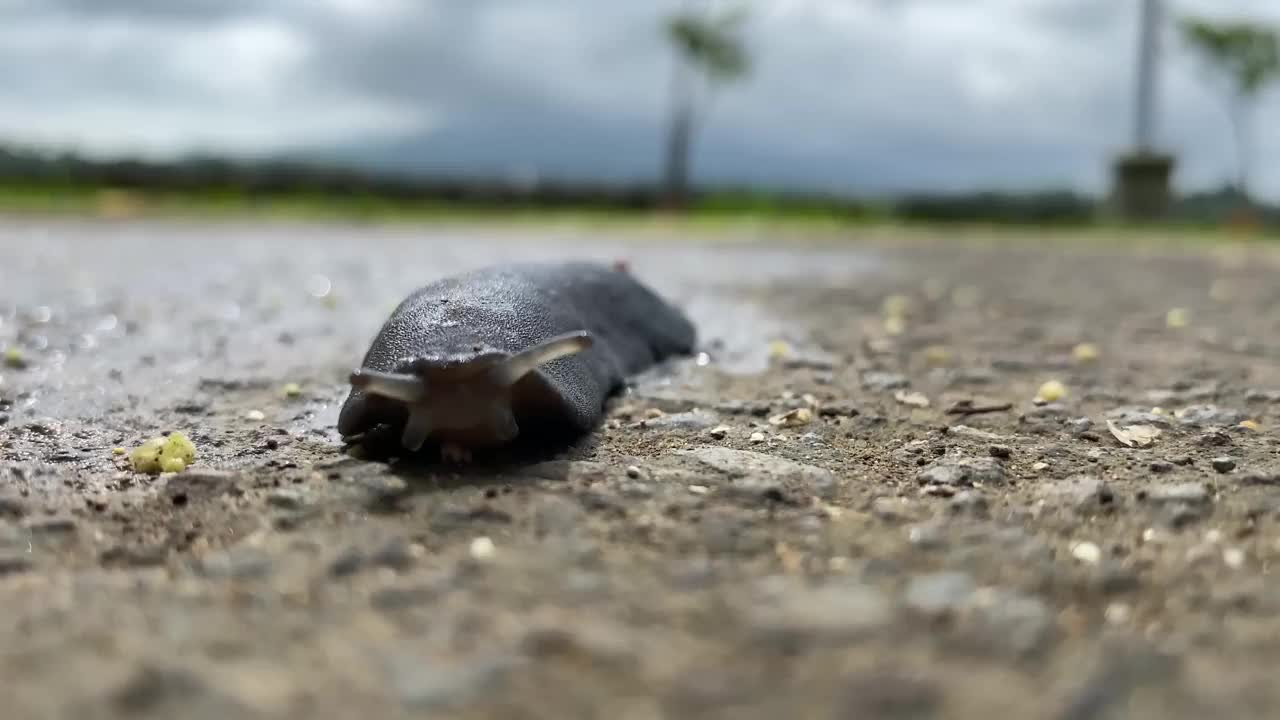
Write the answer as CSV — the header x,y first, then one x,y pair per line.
x,y
929,480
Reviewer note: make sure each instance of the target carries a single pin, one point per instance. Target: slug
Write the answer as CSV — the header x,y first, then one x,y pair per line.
x,y
469,361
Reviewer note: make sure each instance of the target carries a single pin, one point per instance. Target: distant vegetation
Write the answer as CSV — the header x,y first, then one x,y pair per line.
x,y
1247,56
48,182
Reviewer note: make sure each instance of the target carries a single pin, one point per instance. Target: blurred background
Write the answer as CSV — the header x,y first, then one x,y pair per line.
x,y
1023,111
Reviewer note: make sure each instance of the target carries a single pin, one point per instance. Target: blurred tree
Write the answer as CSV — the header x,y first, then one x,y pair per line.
x,y
1248,55
706,44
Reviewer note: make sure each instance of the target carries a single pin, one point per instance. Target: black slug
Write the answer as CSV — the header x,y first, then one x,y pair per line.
x,y
472,359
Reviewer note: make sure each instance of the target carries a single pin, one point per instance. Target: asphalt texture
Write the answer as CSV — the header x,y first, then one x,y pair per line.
x,y
851,502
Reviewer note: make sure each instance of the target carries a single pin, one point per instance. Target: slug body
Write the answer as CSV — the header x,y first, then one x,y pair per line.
x,y
473,359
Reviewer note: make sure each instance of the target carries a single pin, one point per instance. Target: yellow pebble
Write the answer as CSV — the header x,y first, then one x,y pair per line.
x,y
178,446
292,389
1051,391
118,451
1250,425
778,349
1177,318
937,355
894,325
163,454
146,457
1085,352
896,305
172,464
13,358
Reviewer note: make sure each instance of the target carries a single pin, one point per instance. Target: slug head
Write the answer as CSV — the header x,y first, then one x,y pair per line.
x,y
469,399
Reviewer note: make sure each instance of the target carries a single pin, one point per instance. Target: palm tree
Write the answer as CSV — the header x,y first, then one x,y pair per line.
x,y
708,45
1248,55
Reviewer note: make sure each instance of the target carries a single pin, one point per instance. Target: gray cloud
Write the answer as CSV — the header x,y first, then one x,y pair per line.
x,y
859,94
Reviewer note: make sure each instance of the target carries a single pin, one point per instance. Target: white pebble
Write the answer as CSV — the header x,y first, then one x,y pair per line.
x,y
1040,466
1086,552
255,415
699,489
482,548
1152,536
633,471
1118,613
757,437
1233,557
720,432
1213,537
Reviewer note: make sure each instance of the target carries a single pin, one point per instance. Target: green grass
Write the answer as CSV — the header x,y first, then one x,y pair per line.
x,y
722,217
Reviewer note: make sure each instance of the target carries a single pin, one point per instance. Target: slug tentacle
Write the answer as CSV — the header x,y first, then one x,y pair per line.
x,y
509,371
398,386
416,429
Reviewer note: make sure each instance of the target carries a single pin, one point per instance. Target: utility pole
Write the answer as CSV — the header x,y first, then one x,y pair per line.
x,y
1141,177
1148,63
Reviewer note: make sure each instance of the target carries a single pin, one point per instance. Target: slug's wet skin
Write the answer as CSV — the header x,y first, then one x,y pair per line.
x,y
472,361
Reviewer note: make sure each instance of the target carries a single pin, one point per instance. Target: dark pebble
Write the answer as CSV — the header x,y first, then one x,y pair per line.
x,y
837,410
122,556
12,507
398,598
1224,464
52,526
398,554
1004,452
348,563
13,563
1214,438
885,694
1161,466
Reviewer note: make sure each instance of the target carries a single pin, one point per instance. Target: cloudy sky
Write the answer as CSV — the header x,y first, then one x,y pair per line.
x,y
862,95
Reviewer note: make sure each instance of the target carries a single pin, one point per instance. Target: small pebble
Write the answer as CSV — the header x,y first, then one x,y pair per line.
x,y
1118,613
1233,557
757,437
1040,466
1224,464
633,472
482,548
1051,391
1086,552
1003,452
255,415
14,358
291,390
1152,536
720,432
1085,352
1177,318
793,418
699,489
